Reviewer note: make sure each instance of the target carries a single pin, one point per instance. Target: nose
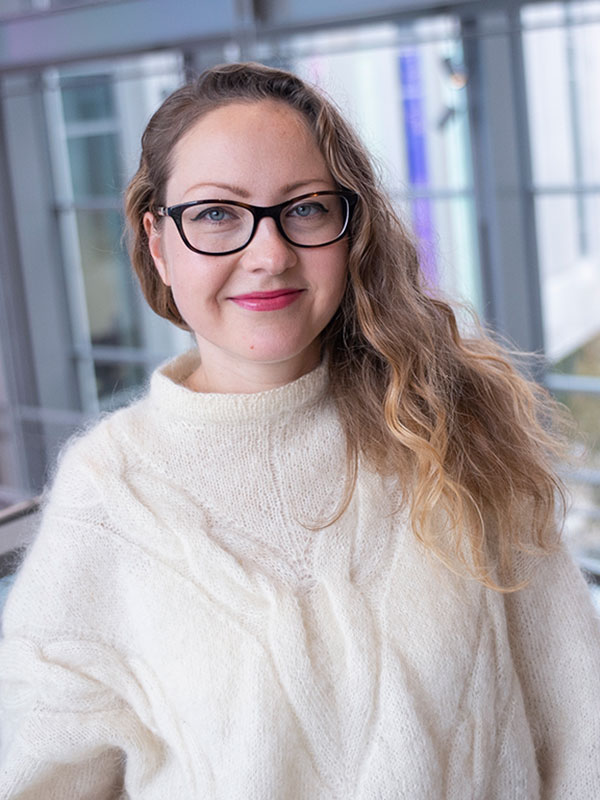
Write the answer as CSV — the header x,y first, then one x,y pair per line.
x,y
268,250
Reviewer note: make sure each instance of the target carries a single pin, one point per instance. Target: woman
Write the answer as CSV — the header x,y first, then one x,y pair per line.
x,y
318,558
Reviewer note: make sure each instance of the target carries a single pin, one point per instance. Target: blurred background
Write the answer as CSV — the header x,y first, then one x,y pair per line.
x,y
484,119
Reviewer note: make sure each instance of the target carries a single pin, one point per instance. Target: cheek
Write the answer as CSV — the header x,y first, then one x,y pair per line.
x,y
338,277
197,284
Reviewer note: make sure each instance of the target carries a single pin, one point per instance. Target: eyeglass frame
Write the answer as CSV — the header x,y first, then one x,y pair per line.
x,y
258,213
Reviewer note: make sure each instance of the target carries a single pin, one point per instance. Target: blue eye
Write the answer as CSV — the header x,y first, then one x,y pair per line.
x,y
305,210
214,214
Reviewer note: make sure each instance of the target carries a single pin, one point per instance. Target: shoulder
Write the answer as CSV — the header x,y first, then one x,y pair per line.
x,y
116,443
99,520
552,582
94,453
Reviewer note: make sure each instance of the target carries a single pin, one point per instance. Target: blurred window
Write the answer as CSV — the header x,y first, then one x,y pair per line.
x,y
96,114
562,57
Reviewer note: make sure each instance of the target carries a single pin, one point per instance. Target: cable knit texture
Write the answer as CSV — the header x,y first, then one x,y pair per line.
x,y
179,630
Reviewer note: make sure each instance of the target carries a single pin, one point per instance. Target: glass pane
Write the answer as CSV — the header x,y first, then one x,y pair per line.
x,y
447,239
109,285
8,455
348,77
585,409
546,56
117,382
569,272
42,443
415,122
92,100
563,79
583,523
8,8
585,360
540,14
590,206
586,57
435,125
585,10
457,267
95,165
562,63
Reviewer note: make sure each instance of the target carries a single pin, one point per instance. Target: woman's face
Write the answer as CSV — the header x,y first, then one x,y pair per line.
x,y
260,153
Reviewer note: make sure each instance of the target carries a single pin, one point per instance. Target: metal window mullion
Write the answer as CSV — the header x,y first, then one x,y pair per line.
x,y
500,151
88,203
574,384
526,179
583,476
77,302
15,337
52,416
95,127
564,189
80,324
122,355
482,178
575,134
433,194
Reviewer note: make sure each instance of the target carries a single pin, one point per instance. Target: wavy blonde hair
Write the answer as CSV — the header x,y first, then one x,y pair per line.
x,y
469,438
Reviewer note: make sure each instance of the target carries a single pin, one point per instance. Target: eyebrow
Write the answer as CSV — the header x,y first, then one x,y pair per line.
x,y
241,192
291,187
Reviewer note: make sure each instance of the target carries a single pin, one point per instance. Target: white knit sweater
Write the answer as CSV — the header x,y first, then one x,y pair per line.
x,y
177,632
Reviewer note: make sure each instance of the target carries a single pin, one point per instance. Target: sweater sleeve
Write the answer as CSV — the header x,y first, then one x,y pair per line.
x,y
555,638
71,706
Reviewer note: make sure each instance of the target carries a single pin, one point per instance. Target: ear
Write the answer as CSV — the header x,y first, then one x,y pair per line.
x,y
155,246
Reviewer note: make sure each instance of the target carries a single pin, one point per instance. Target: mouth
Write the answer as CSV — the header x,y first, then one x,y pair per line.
x,y
267,301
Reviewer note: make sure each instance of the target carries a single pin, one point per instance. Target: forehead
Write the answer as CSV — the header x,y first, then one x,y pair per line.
x,y
251,144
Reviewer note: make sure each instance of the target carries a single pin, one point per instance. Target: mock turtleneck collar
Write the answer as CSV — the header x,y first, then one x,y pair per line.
x,y
171,397
257,473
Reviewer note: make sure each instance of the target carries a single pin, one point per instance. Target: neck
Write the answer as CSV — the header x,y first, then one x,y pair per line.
x,y
232,377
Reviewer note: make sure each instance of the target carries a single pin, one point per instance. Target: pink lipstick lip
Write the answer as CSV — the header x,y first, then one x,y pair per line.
x,y
267,301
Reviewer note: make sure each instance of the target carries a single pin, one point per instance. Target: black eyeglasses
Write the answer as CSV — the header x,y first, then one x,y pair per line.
x,y
222,227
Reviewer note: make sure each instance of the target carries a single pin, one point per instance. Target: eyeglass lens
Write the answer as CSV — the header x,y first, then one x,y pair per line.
x,y
217,228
